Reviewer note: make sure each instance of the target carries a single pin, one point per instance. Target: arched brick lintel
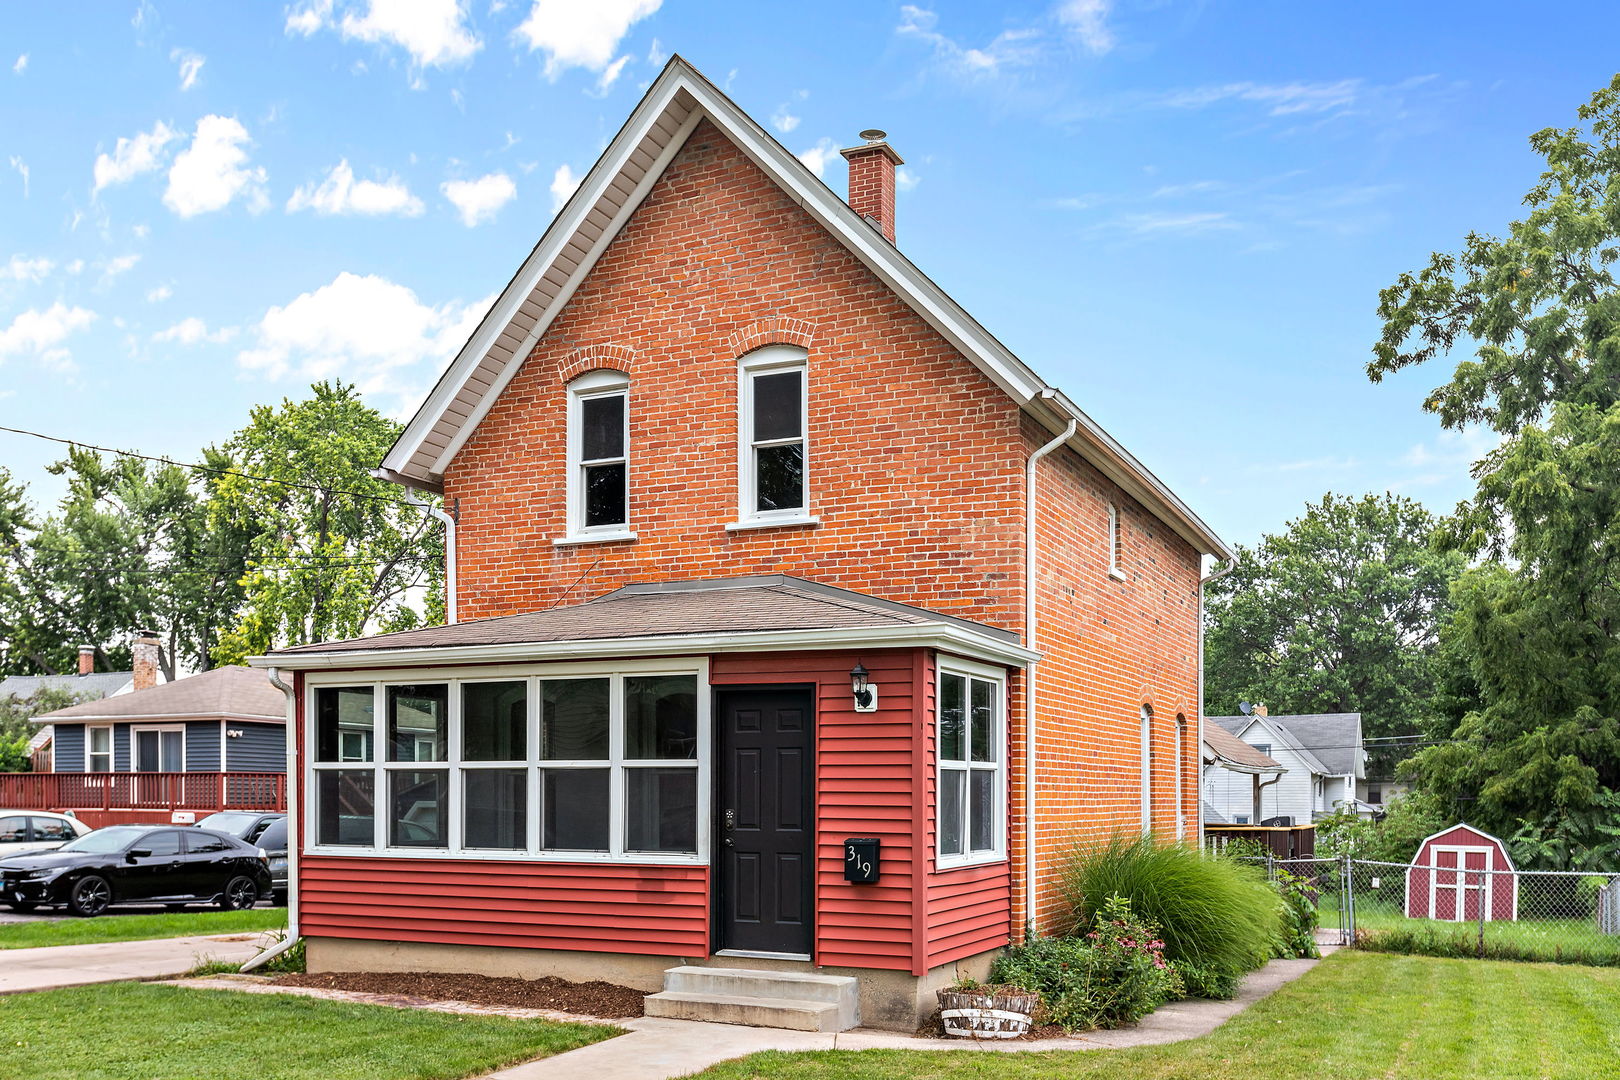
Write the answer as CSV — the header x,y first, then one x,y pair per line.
x,y
774,330
597,358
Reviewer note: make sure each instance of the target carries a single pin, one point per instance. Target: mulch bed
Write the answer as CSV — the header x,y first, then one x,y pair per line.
x,y
600,999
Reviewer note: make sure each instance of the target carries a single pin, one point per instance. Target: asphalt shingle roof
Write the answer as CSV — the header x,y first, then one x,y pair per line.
x,y
225,691
1233,749
97,684
1328,740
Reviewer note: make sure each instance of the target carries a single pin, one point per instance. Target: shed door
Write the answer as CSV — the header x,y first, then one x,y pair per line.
x,y
1458,894
765,824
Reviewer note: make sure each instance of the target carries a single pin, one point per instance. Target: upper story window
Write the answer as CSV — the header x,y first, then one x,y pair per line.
x,y
599,456
972,766
1115,541
773,447
1147,769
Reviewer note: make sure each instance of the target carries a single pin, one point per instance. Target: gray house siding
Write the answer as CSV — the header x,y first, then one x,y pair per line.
x,y
202,746
120,748
67,747
260,748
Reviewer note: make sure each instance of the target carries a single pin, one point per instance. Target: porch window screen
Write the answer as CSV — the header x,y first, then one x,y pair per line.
x,y
971,769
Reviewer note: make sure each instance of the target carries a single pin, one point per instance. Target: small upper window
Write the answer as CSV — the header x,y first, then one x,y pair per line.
x,y
599,454
1114,541
773,447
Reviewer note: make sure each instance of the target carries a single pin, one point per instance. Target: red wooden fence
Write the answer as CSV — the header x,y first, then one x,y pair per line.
x,y
143,791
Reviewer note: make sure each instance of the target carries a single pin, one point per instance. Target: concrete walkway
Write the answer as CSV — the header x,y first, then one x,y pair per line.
x,y
659,1049
78,965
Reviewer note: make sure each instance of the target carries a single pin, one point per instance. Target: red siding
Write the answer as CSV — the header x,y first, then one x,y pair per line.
x,y
864,769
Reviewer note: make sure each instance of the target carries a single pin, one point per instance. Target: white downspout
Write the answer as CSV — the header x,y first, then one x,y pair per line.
x,y
1198,805
449,551
1031,504
293,824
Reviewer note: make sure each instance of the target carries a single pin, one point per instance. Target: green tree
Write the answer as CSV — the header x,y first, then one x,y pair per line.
x,y
1339,613
16,731
1536,751
335,552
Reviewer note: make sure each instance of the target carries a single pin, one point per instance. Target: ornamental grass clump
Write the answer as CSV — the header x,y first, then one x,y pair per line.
x,y
1218,919
1113,974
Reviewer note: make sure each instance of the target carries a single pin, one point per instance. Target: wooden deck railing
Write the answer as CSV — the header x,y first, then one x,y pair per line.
x,y
143,791
1283,842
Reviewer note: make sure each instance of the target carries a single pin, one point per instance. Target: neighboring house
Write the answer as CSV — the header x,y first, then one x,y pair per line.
x,y
1321,754
203,743
740,534
1377,792
1228,759
87,683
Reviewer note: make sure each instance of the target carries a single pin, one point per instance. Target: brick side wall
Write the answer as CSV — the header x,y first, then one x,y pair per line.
x,y
915,455
1111,646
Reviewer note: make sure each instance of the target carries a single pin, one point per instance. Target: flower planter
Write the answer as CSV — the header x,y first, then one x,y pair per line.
x,y
1001,1012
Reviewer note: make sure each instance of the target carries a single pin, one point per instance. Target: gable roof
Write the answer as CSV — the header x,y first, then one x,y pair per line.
x,y
604,201
223,692
657,618
98,684
1231,752
1329,743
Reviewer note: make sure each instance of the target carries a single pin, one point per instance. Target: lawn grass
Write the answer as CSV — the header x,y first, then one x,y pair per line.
x,y
1355,1016
139,1031
1554,940
29,935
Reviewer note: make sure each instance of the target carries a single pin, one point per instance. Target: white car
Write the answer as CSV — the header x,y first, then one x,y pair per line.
x,y
37,830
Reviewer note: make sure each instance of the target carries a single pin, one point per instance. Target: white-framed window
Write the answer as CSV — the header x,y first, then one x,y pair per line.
x,y
1147,768
158,748
1179,777
773,444
971,744
565,763
98,748
1115,541
599,456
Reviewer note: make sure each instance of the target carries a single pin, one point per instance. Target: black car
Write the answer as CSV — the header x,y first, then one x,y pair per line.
x,y
269,831
138,864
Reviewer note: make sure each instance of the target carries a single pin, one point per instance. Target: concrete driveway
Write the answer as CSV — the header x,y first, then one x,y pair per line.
x,y
113,961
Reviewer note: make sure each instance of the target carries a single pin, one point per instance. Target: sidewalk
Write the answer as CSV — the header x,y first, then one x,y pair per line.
x,y
78,965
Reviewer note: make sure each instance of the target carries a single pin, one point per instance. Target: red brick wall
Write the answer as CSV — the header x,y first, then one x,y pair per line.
x,y
915,455
1110,647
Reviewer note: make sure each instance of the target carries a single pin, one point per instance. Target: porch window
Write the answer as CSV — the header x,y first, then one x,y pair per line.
x,y
99,749
599,456
773,450
594,765
972,768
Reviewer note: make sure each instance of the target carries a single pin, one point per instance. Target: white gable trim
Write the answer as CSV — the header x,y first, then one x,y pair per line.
x,y
593,216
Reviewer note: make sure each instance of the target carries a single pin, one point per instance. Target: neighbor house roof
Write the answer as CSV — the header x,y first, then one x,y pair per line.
x,y
1330,743
766,611
97,684
238,692
1213,816
1228,750
604,201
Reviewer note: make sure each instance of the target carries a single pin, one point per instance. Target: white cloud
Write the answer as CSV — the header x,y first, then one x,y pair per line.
x,y
21,65
610,75
22,170
1088,20
1279,99
563,184
212,172
159,294
576,34
193,331
1453,448
76,267
434,32
818,156
305,20
479,200
1158,223
1009,49
132,157
368,329
783,121
656,54
120,265
340,193
905,179
19,268
40,334
190,67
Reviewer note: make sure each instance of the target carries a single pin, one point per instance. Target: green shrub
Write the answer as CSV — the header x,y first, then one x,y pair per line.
x,y
1299,917
1203,982
1463,944
1217,917
1114,974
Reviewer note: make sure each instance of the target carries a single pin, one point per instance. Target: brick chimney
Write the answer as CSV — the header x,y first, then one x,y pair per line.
x,y
145,652
871,180
87,659
1260,710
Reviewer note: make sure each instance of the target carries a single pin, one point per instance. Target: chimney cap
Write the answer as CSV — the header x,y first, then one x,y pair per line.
x,y
86,649
142,635
874,135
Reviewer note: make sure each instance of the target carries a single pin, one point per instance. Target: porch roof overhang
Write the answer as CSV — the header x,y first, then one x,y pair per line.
x,y
755,614
1230,752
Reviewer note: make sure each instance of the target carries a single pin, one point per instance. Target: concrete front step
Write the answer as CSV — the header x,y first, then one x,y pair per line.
x,y
799,1001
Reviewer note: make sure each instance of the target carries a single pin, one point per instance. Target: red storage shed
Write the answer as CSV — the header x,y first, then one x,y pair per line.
x,y
1452,873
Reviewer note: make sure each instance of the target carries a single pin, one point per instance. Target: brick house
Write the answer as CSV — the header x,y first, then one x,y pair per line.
x,y
744,511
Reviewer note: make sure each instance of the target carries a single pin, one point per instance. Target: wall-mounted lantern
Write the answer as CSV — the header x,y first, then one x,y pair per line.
x,y
865,692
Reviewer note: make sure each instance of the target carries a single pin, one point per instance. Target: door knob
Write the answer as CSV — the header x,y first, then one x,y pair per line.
x,y
730,819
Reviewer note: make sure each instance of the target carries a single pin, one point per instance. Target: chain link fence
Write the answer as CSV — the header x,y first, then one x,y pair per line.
x,y
1555,916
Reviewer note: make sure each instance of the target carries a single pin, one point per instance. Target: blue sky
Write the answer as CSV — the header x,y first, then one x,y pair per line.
x,y
1181,213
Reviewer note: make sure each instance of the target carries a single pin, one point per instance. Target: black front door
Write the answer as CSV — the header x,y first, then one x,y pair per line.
x,y
765,825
